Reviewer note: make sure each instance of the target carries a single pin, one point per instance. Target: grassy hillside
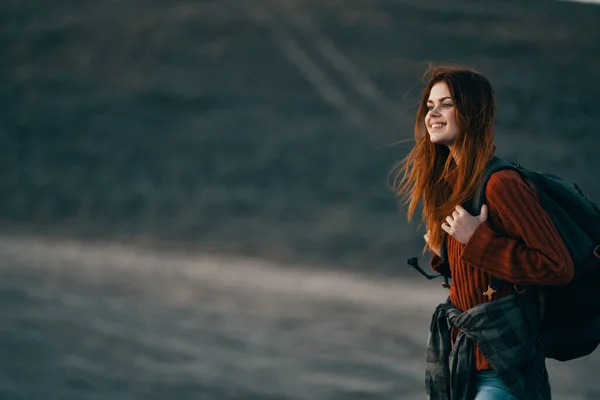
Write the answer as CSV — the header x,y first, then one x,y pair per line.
x,y
267,128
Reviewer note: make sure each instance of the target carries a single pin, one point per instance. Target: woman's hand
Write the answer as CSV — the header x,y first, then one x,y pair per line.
x,y
436,250
461,225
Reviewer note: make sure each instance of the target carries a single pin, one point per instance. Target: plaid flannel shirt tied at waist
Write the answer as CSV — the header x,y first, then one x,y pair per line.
x,y
506,332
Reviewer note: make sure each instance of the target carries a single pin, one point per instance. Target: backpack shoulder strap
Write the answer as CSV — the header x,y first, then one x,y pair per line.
x,y
495,165
474,205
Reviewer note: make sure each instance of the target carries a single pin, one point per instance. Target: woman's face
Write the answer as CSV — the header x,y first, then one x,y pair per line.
x,y
440,120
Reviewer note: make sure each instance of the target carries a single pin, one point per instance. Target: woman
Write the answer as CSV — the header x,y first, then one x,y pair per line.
x,y
512,238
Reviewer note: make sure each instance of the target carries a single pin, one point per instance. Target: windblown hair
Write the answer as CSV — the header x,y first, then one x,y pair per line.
x,y
421,175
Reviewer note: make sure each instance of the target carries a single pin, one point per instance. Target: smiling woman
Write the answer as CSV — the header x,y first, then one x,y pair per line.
x,y
464,101
517,243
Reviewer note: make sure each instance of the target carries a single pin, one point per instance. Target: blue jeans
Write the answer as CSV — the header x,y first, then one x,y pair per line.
x,y
491,387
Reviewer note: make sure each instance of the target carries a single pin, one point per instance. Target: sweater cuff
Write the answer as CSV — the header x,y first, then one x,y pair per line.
x,y
475,250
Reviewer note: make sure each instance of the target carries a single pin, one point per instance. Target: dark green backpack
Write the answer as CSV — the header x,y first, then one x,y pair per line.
x,y
571,320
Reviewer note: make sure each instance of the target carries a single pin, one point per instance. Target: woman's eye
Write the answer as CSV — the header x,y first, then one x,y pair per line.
x,y
447,105
430,108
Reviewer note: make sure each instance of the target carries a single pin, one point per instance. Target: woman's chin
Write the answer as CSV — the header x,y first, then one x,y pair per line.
x,y
436,138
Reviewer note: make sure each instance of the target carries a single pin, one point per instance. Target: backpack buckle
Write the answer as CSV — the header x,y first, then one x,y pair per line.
x,y
596,251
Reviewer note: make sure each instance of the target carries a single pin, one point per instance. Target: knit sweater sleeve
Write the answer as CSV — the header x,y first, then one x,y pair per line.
x,y
529,250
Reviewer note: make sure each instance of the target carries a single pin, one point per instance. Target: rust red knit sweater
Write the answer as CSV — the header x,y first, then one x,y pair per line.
x,y
518,243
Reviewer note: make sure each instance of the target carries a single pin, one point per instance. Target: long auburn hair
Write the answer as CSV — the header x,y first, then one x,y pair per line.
x,y
421,175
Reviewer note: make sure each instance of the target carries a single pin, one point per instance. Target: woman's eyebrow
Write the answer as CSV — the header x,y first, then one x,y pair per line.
x,y
442,99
